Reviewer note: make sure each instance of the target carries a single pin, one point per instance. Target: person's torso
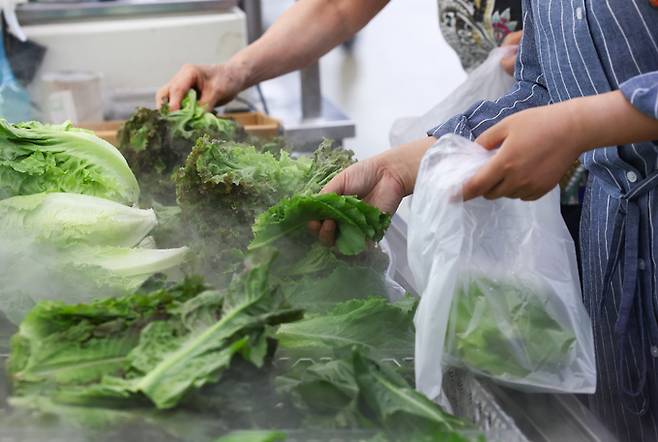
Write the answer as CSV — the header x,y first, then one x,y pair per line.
x,y
589,47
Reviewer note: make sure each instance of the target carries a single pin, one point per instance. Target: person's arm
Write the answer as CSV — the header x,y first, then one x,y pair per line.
x,y
401,164
529,91
539,145
305,32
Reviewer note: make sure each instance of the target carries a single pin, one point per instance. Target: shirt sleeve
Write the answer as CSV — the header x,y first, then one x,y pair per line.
x,y
529,91
642,92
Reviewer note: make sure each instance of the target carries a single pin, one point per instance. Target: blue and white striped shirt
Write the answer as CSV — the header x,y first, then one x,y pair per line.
x,y
575,48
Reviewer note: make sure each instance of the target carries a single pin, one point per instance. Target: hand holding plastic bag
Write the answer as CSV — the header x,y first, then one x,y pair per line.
x,y
499,283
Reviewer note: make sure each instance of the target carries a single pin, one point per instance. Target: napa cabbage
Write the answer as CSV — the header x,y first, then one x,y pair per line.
x,y
36,158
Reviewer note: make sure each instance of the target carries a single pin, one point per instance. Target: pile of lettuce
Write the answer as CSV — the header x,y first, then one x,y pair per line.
x,y
67,228
145,347
282,333
156,143
220,351
225,185
74,247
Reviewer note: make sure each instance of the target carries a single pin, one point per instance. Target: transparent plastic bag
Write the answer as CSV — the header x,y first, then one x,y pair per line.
x,y
499,283
487,82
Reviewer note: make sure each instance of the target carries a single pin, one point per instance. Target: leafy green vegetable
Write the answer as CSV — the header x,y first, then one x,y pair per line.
x,y
67,218
223,186
357,221
156,142
161,356
59,345
382,329
36,158
403,411
328,161
320,293
355,390
74,248
119,269
254,436
325,392
504,329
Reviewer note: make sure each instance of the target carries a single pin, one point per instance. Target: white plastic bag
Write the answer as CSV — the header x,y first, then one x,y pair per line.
x,y
499,283
488,81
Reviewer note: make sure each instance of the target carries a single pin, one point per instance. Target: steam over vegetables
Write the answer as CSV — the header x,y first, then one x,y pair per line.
x,y
74,247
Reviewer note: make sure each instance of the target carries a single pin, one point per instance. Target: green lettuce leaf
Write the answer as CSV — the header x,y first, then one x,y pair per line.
x,y
36,158
157,355
68,219
357,221
400,409
375,325
254,436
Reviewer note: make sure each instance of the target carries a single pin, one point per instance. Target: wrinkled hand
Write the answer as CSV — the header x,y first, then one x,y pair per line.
x,y
217,84
537,147
508,62
381,181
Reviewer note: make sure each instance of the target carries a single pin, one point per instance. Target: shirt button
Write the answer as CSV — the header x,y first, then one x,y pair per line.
x,y
654,351
641,264
579,13
631,176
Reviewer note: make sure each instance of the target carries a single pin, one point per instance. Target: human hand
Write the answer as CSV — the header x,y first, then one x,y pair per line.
x,y
381,181
217,84
537,147
508,62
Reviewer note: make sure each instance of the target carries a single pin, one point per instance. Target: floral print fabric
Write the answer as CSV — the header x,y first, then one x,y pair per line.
x,y
474,27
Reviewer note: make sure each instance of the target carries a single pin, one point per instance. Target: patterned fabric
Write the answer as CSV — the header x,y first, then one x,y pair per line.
x,y
474,27
574,48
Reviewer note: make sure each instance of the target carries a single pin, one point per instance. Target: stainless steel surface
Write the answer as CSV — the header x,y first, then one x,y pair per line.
x,y
283,96
470,400
551,417
306,134
311,92
254,13
33,13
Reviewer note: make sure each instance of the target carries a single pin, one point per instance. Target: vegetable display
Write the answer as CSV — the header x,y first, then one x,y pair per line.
x,y
277,337
36,158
